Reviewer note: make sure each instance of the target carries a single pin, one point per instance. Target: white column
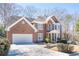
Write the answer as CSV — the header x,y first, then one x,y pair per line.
x,y
51,36
54,37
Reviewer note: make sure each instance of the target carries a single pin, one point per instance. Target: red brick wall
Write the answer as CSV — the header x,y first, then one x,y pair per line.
x,y
47,25
45,31
20,28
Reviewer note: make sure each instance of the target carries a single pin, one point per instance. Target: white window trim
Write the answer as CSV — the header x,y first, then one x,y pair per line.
x,y
40,35
40,26
57,25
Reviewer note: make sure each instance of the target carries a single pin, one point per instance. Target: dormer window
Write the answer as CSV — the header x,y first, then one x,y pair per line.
x,y
56,26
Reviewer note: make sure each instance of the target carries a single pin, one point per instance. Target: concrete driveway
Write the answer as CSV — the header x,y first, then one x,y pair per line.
x,y
32,50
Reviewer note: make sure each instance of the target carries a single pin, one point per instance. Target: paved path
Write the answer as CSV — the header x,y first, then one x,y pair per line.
x,y
32,50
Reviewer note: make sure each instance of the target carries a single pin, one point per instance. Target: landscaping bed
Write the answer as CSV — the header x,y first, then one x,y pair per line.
x,y
66,48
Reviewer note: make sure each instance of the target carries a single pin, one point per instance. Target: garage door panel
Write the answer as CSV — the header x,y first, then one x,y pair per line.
x,y
22,38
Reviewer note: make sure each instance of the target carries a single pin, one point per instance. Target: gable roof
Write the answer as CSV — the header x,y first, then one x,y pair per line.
x,y
13,19
49,18
23,18
55,19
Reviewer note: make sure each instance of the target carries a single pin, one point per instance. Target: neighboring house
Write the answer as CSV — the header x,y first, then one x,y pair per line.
x,y
25,31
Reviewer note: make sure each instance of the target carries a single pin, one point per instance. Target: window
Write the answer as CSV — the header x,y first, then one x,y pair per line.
x,y
58,26
40,26
40,36
55,26
52,26
59,35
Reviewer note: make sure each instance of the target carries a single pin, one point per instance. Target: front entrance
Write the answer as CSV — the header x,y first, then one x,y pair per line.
x,y
54,37
40,37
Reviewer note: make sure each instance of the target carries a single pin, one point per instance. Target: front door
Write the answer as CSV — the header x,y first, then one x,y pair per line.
x,y
40,37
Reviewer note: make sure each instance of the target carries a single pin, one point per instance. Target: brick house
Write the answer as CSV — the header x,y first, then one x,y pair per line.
x,y
25,31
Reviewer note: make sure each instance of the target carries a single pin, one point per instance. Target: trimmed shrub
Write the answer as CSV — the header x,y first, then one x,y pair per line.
x,y
63,41
4,47
47,40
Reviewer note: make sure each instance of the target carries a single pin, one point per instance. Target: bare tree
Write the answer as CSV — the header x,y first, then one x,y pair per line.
x,y
44,12
48,12
7,10
29,11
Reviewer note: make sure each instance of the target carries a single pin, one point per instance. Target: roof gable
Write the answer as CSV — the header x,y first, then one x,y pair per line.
x,y
55,19
23,18
49,18
13,19
43,20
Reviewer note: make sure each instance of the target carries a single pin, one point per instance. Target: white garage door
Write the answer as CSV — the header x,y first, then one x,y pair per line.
x,y
22,38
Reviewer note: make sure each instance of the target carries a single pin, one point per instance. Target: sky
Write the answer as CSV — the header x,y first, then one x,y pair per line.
x,y
70,7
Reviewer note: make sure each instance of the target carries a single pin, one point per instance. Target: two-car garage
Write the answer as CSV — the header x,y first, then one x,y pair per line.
x,y
22,38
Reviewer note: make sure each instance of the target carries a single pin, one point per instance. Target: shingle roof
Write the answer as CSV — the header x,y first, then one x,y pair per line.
x,y
13,19
55,19
40,18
